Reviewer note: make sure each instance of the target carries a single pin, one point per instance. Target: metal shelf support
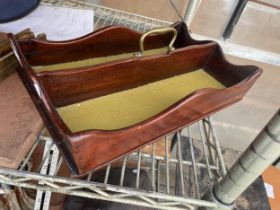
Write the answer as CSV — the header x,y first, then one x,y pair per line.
x,y
262,152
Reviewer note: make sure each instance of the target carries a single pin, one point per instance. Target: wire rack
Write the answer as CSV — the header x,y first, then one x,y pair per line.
x,y
104,16
178,181
179,176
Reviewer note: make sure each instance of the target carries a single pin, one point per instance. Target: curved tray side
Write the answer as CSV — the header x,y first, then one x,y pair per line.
x,y
227,73
110,40
58,130
190,109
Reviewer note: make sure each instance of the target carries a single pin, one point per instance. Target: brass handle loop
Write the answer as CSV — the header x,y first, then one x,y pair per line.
x,y
158,31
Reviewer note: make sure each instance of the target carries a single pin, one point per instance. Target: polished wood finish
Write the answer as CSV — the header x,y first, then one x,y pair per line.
x,y
91,149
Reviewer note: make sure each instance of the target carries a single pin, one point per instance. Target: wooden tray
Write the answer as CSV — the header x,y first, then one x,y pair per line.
x,y
100,100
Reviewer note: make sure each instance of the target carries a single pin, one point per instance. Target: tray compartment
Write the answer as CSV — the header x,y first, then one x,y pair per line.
x,y
127,108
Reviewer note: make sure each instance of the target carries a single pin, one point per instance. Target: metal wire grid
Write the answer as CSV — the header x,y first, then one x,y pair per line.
x,y
104,16
162,195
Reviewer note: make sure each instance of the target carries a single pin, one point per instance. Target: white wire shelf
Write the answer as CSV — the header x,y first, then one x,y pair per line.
x,y
179,178
104,16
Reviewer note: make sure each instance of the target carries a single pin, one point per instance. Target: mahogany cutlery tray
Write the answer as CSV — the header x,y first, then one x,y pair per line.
x,y
116,90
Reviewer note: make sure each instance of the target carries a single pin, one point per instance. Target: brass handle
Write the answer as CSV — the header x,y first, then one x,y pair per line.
x,y
158,31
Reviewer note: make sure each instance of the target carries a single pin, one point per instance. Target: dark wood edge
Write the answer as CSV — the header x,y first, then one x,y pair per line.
x,y
235,74
46,110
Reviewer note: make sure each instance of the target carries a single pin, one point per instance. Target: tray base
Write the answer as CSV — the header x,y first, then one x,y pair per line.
x,y
126,108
